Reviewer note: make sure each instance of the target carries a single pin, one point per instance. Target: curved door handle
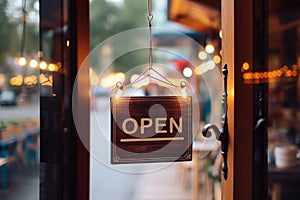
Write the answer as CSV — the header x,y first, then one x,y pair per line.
x,y
222,134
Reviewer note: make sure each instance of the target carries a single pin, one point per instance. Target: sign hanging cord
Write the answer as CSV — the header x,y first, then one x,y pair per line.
x,y
146,73
150,18
23,28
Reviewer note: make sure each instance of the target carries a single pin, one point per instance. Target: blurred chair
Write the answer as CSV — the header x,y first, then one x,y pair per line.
x,y
32,149
185,169
8,153
214,173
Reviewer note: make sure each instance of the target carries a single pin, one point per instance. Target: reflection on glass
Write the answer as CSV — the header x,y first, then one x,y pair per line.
x,y
177,56
284,99
19,100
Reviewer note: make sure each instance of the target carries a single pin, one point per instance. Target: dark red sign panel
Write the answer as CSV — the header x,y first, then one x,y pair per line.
x,y
151,129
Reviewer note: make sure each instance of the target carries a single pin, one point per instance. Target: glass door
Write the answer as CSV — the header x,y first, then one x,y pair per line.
x,y
119,52
261,44
284,99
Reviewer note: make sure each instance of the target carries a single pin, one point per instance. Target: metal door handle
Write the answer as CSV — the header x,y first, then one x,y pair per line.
x,y
222,134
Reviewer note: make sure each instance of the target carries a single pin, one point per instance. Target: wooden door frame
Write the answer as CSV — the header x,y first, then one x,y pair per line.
x,y
237,48
80,48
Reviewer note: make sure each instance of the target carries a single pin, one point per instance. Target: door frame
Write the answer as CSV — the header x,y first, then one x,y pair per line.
x,y
79,50
65,160
237,48
244,26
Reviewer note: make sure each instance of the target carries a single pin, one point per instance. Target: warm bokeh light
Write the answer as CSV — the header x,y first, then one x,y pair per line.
x,y
17,80
46,81
285,68
30,80
197,71
210,64
267,76
220,34
22,61
295,73
43,65
245,66
40,54
288,73
33,63
187,72
52,67
278,73
68,43
202,55
217,59
112,79
209,48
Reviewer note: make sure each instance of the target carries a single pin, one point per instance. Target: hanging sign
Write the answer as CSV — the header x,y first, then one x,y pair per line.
x,y
151,129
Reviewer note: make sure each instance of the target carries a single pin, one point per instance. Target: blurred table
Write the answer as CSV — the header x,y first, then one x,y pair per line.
x,y
7,150
8,153
277,176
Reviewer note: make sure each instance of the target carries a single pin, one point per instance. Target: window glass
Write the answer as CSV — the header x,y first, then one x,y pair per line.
x,y
284,98
19,100
112,23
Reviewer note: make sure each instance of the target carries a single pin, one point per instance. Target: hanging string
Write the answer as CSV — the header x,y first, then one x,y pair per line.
x,y
146,73
24,27
150,18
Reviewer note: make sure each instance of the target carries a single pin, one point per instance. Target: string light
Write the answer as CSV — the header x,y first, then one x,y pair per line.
x,y
33,63
268,76
245,66
31,80
43,65
22,61
40,54
51,67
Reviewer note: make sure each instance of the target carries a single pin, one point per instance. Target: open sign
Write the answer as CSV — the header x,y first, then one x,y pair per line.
x,y
151,129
